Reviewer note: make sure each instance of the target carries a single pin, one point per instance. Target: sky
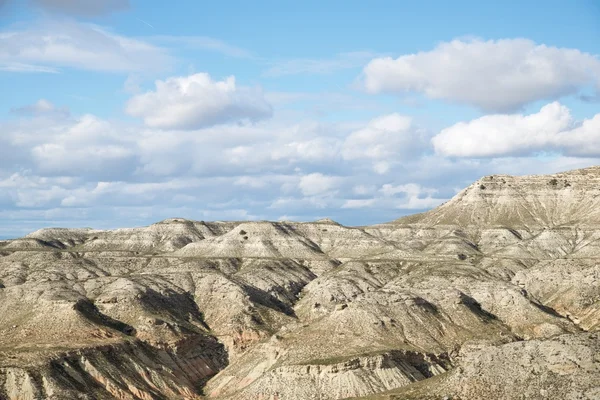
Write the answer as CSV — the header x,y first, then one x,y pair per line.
x,y
122,113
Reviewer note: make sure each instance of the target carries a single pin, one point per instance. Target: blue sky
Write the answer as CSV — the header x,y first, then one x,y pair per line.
x,y
128,112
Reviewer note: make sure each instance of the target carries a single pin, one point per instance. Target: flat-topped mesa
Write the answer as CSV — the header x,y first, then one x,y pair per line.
x,y
568,198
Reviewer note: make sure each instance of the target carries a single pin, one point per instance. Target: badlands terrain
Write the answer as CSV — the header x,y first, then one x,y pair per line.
x,y
493,295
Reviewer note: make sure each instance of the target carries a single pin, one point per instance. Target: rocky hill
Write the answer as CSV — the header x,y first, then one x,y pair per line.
x,y
494,294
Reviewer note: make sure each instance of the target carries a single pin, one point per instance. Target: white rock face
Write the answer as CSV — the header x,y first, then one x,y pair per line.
x,y
495,294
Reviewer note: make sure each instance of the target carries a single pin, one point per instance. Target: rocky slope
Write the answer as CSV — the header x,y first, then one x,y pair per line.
x,y
495,294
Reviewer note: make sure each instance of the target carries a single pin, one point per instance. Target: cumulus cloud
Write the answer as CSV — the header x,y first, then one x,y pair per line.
x,y
250,182
86,8
52,46
385,140
375,139
363,189
197,101
29,190
410,196
551,129
106,170
411,189
264,181
51,142
88,145
494,75
359,203
317,184
311,150
53,158
121,192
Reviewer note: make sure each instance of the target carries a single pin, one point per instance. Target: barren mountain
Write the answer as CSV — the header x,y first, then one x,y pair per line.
x,y
494,294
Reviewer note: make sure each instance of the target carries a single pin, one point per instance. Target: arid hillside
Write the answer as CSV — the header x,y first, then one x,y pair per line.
x,y
493,295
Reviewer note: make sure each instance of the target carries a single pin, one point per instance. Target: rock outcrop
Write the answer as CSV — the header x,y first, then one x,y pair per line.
x,y
495,294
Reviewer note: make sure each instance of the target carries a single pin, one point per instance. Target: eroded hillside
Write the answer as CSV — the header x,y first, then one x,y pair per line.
x,y
495,294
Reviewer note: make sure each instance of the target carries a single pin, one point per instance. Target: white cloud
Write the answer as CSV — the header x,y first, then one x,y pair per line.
x,y
198,101
34,191
121,192
89,145
383,137
496,76
264,180
312,150
317,184
418,203
411,189
279,147
66,159
363,189
65,44
551,129
51,142
359,203
305,205
381,167
415,196
412,197
386,140
251,182
134,175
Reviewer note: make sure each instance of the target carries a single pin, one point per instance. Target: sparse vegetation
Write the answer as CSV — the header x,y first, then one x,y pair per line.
x,y
303,302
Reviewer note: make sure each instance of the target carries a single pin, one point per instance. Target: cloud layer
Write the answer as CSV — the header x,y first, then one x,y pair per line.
x,y
56,159
197,101
385,140
552,129
207,147
53,45
107,170
494,75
